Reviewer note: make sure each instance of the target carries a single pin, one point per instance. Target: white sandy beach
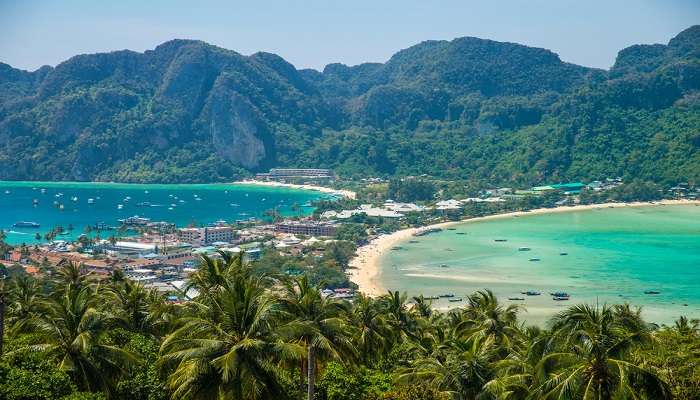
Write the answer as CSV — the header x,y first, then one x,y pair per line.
x,y
366,264
338,192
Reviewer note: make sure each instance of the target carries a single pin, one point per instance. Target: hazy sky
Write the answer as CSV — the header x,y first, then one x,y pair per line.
x,y
313,33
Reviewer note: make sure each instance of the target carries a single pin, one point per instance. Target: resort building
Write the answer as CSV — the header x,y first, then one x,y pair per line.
x,y
304,173
308,228
207,235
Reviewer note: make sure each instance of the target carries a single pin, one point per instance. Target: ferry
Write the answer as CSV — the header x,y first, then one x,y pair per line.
x,y
26,224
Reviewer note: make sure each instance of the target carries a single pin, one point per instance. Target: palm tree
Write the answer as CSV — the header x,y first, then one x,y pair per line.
x,y
395,306
486,318
458,369
228,348
319,323
24,300
592,360
70,275
131,303
71,329
374,334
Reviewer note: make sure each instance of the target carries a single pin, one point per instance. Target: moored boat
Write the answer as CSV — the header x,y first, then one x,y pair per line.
x,y
26,224
523,249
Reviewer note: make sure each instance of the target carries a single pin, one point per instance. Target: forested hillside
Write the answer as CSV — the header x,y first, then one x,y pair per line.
x,y
468,109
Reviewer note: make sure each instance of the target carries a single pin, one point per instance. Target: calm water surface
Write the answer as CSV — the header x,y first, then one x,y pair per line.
x,y
180,204
613,256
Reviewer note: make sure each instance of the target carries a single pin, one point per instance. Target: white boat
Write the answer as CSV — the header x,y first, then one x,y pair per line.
x,y
91,201
119,206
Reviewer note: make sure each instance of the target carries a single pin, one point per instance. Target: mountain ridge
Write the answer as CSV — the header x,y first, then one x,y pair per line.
x,y
190,111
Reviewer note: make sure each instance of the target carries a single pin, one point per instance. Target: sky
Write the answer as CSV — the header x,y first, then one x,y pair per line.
x,y
313,33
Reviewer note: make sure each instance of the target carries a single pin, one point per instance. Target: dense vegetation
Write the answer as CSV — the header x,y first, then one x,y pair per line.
x,y
468,109
258,336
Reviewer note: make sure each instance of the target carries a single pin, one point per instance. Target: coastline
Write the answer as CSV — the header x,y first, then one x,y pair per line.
x,y
338,192
365,265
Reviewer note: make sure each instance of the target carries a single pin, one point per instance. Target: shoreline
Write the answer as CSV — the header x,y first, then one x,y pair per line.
x,y
349,194
365,265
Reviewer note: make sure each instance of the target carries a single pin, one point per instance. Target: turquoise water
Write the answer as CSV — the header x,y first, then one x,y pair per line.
x,y
172,203
613,256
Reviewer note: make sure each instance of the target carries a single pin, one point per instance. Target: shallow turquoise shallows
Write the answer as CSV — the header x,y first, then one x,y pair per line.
x,y
41,202
603,256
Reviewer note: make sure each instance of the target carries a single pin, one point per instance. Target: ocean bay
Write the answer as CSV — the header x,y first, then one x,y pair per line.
x,y
604,255
87,204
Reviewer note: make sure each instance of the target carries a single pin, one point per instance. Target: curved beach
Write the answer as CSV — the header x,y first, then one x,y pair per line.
x,y
366,265
337,192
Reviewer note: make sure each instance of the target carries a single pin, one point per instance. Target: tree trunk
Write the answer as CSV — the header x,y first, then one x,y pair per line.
x,y
312,372
302,377
2,320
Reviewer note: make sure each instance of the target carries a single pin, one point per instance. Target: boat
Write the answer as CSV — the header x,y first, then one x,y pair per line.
x,y
500,240
563,254
74,198
531,293
455,300
91,201
26,224
534,259
7,192
432,297
35,201
444,266
43,191
119,206
652,292
451,229
413,241
560,294
523,249
447,295
428,231
560,298
135,220
396,248
461,233
516,298
144,204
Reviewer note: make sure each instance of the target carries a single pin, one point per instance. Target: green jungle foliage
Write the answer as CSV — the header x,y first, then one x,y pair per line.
x,y
252,335
468,109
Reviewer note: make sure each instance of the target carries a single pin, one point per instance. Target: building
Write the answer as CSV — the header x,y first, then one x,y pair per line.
x,y
309,228
130,248
306,173
203,236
